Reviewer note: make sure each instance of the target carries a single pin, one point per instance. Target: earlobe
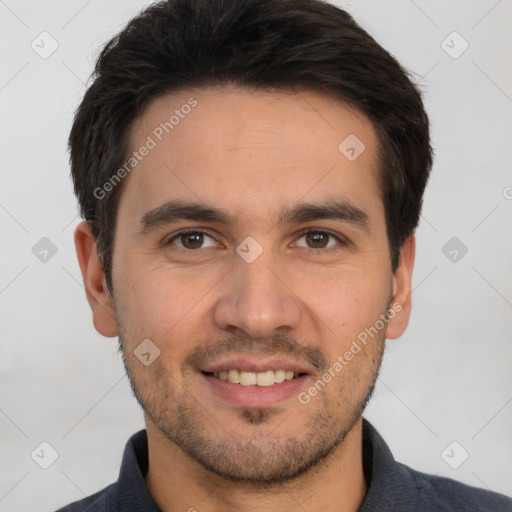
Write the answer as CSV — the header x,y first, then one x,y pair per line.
x,y
402,288
95,285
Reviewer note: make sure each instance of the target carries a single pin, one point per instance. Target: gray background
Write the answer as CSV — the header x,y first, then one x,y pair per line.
x,y
447,379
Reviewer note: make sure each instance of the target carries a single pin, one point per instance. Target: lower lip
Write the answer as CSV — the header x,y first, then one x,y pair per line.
x,y
255,396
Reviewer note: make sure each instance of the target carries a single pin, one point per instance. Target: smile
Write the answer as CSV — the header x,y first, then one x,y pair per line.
x,y
265,378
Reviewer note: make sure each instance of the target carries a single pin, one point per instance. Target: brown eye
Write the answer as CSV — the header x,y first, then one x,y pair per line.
x,y
317,240
192,240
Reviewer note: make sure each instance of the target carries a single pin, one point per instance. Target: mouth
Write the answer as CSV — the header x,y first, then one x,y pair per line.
x,y
262,379
256,383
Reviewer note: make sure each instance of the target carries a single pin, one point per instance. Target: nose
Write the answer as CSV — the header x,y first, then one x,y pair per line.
x,y
257,298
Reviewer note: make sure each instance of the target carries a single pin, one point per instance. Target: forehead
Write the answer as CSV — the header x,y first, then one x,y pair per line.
x,y
251,152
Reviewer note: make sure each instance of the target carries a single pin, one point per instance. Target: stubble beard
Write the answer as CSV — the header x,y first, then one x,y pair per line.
x,y
252,460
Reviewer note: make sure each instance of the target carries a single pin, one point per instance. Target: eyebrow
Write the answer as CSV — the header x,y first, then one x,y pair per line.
x,y
173,211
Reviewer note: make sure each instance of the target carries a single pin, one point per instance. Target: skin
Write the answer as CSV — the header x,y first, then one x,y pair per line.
x,y
251,154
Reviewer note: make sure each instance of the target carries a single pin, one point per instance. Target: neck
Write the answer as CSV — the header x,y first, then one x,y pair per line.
x,y
177,482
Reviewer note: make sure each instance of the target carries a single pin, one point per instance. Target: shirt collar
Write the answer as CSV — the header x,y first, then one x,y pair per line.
x,y
391,486
131,492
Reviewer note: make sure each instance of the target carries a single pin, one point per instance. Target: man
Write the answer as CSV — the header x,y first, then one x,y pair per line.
x,y
251,174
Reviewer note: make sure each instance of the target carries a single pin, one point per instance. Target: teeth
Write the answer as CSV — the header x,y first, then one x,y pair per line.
x,y
234,376
279,376
248,378
267,378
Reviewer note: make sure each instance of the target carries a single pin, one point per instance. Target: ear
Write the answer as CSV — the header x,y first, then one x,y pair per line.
x,y
402,283
96,289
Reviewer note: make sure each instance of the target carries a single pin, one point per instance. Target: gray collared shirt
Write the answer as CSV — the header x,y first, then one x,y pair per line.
x,y
392,486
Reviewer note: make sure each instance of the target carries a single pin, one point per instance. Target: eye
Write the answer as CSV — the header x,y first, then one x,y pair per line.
x,y
192,240
318,240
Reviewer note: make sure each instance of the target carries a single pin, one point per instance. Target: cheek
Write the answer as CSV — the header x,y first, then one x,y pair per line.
x,y
157,303
346,300
168,315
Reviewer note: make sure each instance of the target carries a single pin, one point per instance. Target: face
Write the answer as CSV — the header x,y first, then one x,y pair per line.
x,y
249,246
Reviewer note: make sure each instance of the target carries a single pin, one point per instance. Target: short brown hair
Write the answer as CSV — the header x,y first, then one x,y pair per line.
x,y
286,44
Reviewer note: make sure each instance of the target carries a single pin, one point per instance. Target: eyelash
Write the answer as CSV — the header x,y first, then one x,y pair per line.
x,y
342,241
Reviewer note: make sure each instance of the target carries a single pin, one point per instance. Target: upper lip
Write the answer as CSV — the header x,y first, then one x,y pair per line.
x,y
253,365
